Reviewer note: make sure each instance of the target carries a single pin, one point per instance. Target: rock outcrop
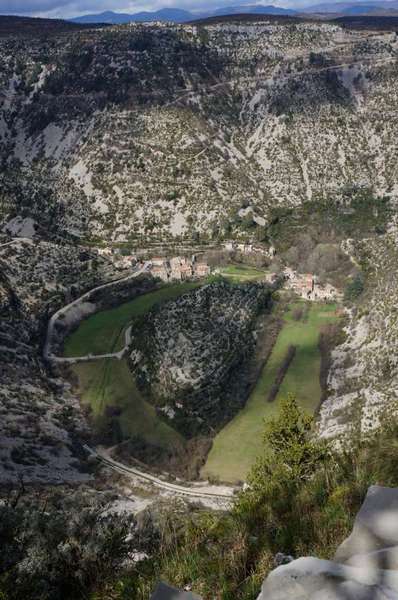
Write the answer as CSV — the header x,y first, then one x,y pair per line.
x,y
365,565
189,354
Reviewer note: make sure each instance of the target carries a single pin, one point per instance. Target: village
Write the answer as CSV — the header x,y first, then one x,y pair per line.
x,y
308,287
177,268
183,268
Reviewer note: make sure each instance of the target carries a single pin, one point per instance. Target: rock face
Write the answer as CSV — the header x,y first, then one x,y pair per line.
x,y
173,130
363,379
365,565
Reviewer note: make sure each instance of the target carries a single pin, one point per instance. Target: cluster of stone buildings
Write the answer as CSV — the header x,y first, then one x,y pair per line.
x,y
307,286
178,268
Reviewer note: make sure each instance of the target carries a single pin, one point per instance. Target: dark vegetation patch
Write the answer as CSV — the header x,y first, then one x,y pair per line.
x,y
330,337
283,369
368,22
308,237
358,214
354,288
183,460
298,313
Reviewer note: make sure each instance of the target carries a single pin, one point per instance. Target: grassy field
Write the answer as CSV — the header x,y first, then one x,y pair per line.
x,y
103,332
106,385
237,445
241,273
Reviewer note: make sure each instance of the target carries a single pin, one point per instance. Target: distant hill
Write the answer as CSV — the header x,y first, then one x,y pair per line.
x,y
253,17
177,15
12,25
354,8
254,10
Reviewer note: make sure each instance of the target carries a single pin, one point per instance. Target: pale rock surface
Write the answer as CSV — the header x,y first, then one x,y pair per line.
x,y
365,565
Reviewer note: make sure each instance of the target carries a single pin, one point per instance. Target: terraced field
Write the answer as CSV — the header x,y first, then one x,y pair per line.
x,y
238,444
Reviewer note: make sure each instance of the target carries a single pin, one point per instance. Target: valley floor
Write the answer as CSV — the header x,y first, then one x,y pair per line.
x,y
120,412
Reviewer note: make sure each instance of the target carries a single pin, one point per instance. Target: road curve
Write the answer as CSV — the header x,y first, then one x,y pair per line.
x,y
72,360
47,353
171,487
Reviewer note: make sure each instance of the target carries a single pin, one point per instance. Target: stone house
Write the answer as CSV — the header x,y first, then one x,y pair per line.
x,y
158,261
160,272
186,271
202,270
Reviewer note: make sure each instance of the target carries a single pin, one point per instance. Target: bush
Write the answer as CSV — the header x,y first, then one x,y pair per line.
x,y
354,288
62,550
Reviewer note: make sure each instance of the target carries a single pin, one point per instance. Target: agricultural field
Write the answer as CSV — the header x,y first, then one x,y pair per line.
x,y
116,405
106,386
241,273
103,332
238,444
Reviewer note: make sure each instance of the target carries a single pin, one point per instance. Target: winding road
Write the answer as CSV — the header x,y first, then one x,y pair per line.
x,y
47,350
206,492
72,360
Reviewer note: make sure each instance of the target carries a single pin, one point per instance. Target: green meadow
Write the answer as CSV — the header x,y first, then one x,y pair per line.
x,y
241,273
108,387
237,445
103,332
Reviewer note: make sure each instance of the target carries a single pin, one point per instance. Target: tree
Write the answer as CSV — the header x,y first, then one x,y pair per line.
x,y
290,459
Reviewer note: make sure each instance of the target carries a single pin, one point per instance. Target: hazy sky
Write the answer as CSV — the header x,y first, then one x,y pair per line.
x,y
67,8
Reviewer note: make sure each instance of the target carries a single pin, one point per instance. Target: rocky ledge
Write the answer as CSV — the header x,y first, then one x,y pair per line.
x,y
365,566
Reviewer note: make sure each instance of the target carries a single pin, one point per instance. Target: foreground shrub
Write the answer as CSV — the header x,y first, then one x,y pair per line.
x,y
56,550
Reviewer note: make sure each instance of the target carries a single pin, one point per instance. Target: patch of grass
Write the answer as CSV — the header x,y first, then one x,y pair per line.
x,y
103,332
108,387
241,273
238,444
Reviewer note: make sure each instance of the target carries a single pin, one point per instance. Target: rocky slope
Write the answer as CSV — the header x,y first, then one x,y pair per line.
x,y
40,419
363,381
170,130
